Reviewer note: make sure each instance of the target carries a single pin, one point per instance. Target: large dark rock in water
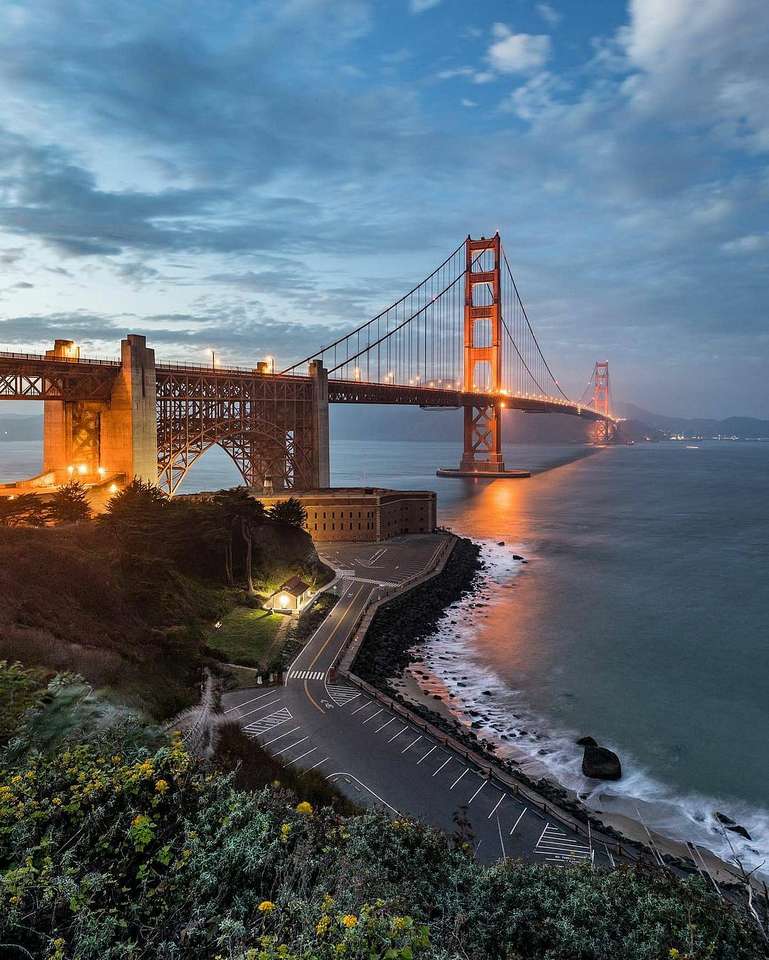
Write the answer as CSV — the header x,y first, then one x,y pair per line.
x,y
600,763
587,742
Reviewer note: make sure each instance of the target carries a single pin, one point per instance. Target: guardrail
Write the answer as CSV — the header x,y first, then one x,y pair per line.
x,y
94,361
346,655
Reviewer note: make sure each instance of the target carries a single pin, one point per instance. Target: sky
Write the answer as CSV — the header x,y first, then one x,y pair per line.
x,y
251,177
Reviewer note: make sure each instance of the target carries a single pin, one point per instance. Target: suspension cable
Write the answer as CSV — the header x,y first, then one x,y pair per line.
x,y
378,317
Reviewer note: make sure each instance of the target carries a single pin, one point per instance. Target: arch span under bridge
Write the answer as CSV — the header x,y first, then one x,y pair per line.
x,y
459,339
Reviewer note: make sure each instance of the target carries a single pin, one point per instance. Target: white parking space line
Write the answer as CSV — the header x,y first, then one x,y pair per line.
x,y
466,770
291,746
412,743
358,709
307,754
318,763
398,734
495,808
427,754
558,847
381,710
275,739
266,706
270,693
391,720
447,760
268,723
501,841
523,813
477,792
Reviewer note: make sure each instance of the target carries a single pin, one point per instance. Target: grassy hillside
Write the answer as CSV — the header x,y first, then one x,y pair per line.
x,y
126,600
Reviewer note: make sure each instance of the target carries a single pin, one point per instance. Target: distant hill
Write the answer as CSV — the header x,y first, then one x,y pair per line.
x,y
731,426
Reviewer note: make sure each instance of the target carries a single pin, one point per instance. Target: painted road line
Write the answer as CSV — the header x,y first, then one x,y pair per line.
x,y
318,763
466,770
412,743
611,858
381,709
523,813
387,724
264,724
358,709
495,808
427,754
501,841
307,754
275,739
270,693
259,709
398,734
349,778
291,746
448,760
477,792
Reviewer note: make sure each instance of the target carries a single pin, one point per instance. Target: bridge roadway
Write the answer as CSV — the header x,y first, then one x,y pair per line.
x,y
25,376
370,752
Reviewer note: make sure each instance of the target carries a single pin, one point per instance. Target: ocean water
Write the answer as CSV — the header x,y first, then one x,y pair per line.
x,y
641,617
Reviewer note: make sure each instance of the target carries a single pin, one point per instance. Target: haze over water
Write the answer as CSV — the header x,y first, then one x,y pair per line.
x,y
642,617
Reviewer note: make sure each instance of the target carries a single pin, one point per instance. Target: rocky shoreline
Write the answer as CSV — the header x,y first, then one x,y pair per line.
x,y
389,659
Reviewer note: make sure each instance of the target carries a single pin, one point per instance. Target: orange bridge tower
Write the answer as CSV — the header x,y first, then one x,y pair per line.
x,y
483,355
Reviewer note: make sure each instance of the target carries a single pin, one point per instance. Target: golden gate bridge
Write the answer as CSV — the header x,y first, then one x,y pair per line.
x,y
461,338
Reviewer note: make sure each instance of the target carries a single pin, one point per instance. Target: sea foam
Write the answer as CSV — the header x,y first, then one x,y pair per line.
x,y
500,714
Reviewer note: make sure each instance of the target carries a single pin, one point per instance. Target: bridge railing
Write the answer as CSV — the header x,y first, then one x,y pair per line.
x,y
95,361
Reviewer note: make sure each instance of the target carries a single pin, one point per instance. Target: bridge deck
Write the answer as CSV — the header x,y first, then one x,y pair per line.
x,y
25,376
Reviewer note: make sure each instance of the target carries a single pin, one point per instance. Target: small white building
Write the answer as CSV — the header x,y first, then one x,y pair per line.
x,y
292,596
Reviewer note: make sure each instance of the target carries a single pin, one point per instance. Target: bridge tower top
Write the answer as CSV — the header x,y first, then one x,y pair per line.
x,y
601,388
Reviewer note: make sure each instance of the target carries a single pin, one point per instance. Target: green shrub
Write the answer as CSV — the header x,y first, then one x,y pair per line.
x,y
109,850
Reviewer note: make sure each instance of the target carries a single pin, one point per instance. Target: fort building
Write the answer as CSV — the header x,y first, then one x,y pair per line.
x,y
362,513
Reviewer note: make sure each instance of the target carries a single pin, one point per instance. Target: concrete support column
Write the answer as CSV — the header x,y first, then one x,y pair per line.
x,y
129,431
322,470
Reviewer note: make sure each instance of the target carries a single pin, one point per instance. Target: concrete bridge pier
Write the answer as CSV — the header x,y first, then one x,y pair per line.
x,y
322,471
89,440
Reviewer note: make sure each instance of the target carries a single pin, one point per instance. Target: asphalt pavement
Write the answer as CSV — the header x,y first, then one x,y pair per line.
x,y
371,752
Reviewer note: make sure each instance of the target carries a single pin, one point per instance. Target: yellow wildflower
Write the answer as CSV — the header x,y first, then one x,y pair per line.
x,y
349,920
161,786
304,807
328,901
323,924
400,923
16,779
285,830
56,801
266,906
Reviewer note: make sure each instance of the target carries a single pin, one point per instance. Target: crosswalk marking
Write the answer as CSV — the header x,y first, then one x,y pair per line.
x,y
556,846
343,695
307,675
272,720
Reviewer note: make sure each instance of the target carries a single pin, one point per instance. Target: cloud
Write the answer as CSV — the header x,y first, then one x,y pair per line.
x,y
752,243
517,52
419,6
467,102
241,331
549,14
702,60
